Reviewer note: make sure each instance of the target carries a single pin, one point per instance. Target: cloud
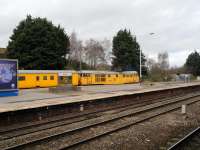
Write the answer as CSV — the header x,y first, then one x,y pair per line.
x,y
176,24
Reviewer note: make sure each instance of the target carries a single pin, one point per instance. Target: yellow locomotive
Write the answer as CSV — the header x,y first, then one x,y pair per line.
x,y
104,77
37,78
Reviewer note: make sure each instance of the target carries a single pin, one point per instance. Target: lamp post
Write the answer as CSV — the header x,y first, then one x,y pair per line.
x,y
141,59
140,64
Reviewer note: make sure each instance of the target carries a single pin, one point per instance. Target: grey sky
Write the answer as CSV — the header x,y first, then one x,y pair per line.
x,y
176,23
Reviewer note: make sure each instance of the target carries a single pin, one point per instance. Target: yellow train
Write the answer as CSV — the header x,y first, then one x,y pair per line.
x,y
37,78
51,78
102,77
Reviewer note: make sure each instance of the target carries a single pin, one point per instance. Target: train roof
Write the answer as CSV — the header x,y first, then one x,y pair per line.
x,y
107,72
59,72
69,72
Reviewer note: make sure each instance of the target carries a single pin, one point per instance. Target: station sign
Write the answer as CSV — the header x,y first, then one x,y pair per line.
x,y
8,74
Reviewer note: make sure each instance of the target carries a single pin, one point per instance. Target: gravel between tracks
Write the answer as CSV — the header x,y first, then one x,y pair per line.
x,y
151,134
102,145
99,130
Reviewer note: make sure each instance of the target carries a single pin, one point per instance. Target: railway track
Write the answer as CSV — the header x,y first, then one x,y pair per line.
x,y
30,127
189,142
63,136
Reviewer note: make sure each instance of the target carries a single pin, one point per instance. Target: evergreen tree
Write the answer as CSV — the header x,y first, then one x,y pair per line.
x,y
126,51
38,44
193,63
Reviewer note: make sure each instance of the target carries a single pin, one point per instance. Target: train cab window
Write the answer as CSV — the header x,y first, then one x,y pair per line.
x,y
124,75
103,75
37,78
109,75
21,78
116,75
44,77
51,77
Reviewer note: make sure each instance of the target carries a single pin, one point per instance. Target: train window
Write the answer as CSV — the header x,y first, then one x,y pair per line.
x,y
116,75
21,78
44,77
103,75
124,75
37,78
109,75
51,77
97,78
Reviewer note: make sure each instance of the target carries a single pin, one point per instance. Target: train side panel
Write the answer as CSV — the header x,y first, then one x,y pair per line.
x,y
75,79
26,81
47,80
103,78
37,80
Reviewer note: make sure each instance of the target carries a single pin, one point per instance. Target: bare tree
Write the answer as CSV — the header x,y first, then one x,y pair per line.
x,y
163,60
94,52
159,71
76,49
150,63
106,44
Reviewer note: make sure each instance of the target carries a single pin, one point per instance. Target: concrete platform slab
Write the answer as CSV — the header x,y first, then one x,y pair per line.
x,y
48,106
41,98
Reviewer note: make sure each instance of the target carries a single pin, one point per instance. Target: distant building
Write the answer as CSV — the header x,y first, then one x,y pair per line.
x,y
183,77
3,52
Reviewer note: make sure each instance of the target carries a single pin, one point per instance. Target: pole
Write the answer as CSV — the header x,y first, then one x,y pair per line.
x,y
80,60
140,64
80,48
141,59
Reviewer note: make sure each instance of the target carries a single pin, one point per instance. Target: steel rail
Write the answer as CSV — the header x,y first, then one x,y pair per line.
x,y
109,118
35,127
183,141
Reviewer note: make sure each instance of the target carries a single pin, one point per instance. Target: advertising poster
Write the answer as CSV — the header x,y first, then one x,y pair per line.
x,y
8,74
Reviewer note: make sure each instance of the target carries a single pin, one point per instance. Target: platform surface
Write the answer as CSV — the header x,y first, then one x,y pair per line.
x,y
33,98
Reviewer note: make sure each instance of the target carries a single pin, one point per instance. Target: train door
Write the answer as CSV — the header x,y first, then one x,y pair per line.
x,y
37,80
89,79
75,79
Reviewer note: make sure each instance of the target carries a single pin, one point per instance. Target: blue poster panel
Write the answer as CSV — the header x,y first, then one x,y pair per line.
x,y
8,75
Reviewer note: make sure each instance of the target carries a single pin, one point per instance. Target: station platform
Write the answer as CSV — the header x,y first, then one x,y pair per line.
x,y
37,98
